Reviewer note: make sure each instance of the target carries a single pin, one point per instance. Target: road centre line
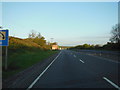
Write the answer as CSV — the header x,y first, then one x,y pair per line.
x,y
113,84
74,55
42,73
79,59
82,61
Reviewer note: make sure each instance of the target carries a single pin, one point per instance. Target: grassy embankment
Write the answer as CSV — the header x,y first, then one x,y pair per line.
x,y
23,54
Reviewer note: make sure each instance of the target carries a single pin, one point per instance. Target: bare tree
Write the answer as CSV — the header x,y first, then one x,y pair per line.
x,y
32,34
39,35
115,38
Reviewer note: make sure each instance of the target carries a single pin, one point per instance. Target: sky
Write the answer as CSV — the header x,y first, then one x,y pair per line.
x,y
68,23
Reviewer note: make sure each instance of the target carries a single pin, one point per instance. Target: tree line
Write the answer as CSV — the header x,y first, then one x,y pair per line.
x,y
113,44
40,40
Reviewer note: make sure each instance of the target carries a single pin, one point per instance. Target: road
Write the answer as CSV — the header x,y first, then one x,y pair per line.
x,y
72,69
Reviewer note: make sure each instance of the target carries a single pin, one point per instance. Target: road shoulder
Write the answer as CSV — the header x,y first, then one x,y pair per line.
x,y
24,78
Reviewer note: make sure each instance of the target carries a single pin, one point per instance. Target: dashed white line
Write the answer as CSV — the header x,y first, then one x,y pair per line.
x,y
81,61
42,73
113,84
74,56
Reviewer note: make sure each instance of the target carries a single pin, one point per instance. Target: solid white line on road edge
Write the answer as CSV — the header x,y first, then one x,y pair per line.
x,y
74,55
82,61
113,84
42,73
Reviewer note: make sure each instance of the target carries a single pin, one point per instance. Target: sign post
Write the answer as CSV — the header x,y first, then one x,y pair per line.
x,y
4,42
6,58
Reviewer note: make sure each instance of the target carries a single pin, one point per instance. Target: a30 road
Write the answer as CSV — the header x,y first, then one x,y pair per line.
x,y
72,69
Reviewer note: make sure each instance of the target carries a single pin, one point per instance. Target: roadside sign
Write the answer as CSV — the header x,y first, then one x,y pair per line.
x,y
4,38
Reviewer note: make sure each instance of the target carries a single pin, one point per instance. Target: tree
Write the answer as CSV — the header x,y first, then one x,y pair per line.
x,y
1,27
115,38
55,43
32,34
97,46
86,46
39,35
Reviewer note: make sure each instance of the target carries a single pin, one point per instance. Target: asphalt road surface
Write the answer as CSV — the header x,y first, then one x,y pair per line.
x,y
72,69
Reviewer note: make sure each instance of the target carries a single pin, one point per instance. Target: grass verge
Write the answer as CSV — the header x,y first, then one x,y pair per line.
x,y
19,60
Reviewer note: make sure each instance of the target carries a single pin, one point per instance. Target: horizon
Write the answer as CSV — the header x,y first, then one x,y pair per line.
x,y
62,45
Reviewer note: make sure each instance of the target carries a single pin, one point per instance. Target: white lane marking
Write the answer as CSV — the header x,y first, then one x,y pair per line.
x,y
113,84
74,56
81,61
42,73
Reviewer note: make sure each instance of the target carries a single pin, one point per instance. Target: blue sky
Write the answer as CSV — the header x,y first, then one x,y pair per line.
x,y
69,23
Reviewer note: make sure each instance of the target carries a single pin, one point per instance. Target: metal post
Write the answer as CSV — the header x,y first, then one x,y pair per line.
x,y
6,58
